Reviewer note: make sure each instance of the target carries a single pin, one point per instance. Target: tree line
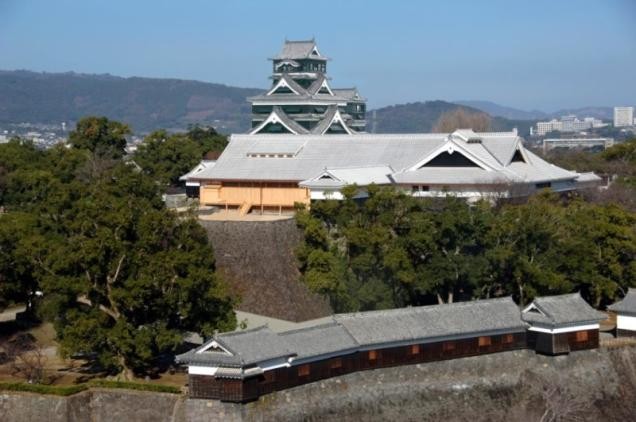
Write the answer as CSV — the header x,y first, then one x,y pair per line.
x,y
393,250
87,243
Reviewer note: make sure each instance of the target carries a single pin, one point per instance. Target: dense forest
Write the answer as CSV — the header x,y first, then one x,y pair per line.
x,y
393,250
87,243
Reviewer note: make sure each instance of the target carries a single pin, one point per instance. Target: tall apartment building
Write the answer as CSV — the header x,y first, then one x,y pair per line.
x,y
623,116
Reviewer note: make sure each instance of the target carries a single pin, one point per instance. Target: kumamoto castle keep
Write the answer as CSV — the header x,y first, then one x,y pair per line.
x,y
307,142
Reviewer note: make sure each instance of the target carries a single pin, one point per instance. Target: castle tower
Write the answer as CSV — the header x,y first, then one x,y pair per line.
x,y
301,100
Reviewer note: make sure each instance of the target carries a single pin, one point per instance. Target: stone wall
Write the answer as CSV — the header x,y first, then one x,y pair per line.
x,y
593,385
257,259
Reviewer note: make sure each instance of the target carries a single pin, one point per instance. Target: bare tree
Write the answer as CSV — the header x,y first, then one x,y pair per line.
x,y
28,359
561,403
462,119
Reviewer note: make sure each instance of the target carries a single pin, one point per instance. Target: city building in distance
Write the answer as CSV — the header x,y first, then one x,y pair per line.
x,y
623,116
301,99
568,123
580,143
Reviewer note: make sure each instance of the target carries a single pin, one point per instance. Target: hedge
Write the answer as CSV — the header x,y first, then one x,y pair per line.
x,y
59,390
56,390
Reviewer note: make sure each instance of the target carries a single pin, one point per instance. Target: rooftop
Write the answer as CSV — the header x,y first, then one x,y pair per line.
x,y
344,333
298,50
626,305
488,161
568,309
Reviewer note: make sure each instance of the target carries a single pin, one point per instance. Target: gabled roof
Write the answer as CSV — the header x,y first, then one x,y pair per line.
x,y
204,164
343,176
245,348
348,93
298,50
316,85
562,310
290,83
627,305
402,152
278,116
331,117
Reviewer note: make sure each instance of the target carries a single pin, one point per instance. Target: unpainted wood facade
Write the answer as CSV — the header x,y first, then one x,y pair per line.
x,y
241,390
257,195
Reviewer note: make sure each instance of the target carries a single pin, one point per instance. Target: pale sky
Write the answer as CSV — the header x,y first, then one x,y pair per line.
x,y
530,54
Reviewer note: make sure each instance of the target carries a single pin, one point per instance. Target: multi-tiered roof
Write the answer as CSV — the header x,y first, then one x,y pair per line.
x,y
301,100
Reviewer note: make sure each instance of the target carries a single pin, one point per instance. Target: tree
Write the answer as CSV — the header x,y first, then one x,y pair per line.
x,y
166,157
124,278
100,135
208,138
18,278
462,119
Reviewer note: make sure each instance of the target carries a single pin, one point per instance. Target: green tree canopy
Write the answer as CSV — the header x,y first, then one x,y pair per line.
x,y
100,135
123,278
165,157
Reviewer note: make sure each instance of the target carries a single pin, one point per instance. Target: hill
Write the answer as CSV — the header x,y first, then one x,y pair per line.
x,y
599,112
148,103
503,111
144,103
421,117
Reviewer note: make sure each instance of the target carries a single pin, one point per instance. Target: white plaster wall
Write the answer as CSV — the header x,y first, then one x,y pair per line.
x,y
565,329
202,370
625,322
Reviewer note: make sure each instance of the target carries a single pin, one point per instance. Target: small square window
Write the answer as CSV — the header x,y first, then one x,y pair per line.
x,y
415,349
484,341
582,336
373,355
336,363
447,346
507,339
303,370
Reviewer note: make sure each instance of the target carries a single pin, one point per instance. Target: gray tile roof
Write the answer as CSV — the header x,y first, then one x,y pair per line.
x,y
361,176
399,151
431,322
346,333
297,50
247,347
562,310
324,124
319,340
627,305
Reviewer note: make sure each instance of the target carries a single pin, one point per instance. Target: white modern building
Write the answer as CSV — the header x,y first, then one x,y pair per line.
x,y
551,143
568,123
623,116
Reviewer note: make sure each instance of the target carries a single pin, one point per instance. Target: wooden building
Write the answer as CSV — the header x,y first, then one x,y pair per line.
x,y
625,310
561,324
244,365
276,171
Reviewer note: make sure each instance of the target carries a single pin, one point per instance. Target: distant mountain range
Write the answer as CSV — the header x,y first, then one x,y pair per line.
x,y
149,103
604,113
144,103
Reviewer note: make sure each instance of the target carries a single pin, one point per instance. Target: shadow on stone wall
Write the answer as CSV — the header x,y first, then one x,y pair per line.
x,y
257,259
597,385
